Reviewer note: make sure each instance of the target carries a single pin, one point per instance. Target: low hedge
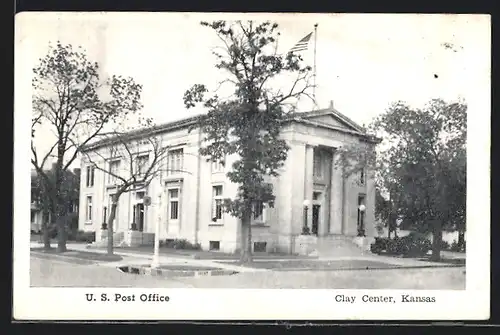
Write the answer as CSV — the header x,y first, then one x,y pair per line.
x,y
180,244
413,244
455,247
83,236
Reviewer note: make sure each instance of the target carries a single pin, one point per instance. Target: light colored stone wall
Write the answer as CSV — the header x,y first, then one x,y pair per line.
x,y
284,221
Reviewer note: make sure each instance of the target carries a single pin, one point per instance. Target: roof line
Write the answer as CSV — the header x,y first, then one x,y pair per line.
x,y
190,121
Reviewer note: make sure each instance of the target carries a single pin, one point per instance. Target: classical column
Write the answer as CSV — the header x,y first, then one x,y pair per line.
x,y
336,196
308,182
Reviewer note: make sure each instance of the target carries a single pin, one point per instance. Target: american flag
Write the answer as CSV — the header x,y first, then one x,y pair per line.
x,y
302,44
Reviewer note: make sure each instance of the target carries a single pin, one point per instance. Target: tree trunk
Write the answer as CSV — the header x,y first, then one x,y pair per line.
x,y
60,202
112,216
246,238
437,236
461,240
45,231
61,228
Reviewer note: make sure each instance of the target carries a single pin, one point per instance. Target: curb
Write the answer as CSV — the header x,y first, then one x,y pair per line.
x,y
72,258
143,270
68,259
393,267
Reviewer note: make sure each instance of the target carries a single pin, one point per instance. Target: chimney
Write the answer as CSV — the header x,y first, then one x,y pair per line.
x,y
331,104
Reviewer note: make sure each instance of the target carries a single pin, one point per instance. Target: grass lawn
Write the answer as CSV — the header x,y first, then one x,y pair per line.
x,y
212,255
178,267
84,255
290,265
448,259
175,270
443,260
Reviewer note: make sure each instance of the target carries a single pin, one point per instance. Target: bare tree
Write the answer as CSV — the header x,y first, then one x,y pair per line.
x,y
71,101
130,162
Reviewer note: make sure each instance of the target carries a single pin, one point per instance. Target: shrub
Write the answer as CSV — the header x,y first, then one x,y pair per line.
x,y
306,230
181,244
85,236
379,245
456,248
396,246
413,244
445,245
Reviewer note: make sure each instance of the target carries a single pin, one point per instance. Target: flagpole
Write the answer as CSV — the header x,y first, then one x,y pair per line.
x,y
314,66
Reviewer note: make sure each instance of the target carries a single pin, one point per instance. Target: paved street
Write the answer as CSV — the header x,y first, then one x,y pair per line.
x,y
55,273
428,279
48,272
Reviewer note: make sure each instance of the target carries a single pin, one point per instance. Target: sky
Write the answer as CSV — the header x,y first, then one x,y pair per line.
x,y
364,61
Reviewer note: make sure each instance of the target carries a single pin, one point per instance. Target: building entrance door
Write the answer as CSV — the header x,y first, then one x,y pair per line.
x,y
315,218
140,217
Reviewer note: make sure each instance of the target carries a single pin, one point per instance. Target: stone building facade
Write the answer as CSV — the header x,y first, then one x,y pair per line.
x,y
310,191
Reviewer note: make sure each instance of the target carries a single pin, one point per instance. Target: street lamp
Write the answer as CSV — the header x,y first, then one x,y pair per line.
x,y
305,228
361,227
156,256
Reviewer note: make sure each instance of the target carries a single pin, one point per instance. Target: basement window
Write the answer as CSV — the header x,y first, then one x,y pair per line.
x,y
259,246
214,245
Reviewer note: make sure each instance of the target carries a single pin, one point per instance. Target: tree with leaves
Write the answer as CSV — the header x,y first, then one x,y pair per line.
x,y
70,99
427,163
248,123
70,191
139,160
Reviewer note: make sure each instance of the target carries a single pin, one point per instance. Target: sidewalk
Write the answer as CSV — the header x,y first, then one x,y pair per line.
x,y
141,258
397,261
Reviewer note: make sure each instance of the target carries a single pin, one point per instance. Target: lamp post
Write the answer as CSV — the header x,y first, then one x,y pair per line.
x,y
361,228
305,228
156,256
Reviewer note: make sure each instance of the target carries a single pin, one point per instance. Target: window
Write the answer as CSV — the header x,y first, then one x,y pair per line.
x,y
88,212
217,203
75,206
259,246
362,176
114,168
104,214
316,195
142,164
173,204
32,216
175,161
90,176
214,245
258,211
317,166
217,167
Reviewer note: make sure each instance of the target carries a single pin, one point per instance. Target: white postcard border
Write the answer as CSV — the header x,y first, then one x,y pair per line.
x,y
224,304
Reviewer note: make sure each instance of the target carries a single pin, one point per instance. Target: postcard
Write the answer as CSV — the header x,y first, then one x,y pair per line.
x,y
234,166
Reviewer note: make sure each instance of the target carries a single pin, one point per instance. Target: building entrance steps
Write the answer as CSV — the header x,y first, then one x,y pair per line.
x,y
339,246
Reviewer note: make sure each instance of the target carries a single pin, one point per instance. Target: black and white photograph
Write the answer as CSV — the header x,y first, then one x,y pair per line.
x,y
289,160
